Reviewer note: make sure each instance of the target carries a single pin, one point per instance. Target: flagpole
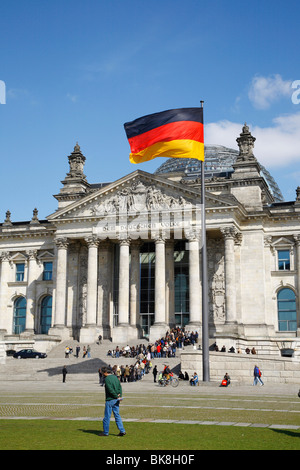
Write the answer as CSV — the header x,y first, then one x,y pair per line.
x,y
205,316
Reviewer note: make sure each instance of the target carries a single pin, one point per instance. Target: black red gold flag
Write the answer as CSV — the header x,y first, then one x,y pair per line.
x,y
176,133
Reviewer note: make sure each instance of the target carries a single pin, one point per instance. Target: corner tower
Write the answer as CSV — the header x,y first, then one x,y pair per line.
x,y
75,184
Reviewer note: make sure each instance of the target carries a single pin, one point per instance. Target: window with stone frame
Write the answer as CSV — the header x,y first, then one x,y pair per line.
x,y
284,260
48,270
287,311
20,271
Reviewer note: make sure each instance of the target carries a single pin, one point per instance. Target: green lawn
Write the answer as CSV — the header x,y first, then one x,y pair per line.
x,y
84,435
71,420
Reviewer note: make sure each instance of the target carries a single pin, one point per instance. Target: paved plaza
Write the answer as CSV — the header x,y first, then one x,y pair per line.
x,y
276,406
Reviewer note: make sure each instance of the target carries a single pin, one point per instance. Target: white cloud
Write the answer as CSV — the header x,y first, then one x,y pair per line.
x,y
72,98
17,93
276,146
266,90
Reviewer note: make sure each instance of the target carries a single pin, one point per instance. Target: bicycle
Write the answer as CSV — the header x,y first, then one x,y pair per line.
x,y
174,381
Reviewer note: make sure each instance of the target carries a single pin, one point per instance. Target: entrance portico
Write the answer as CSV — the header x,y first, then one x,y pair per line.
x,y
135,227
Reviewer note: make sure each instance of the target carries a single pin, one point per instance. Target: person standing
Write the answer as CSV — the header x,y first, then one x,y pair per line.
x,y
257,376
67,352
64,373
113,396
154,372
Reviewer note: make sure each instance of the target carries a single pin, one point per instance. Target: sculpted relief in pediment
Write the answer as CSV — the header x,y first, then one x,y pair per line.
x,y
137,208
138,197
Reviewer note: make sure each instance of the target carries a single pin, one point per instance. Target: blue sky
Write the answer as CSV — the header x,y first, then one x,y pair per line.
x,y
76,70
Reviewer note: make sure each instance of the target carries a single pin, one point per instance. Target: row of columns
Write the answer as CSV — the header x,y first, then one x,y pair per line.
x,y
128,283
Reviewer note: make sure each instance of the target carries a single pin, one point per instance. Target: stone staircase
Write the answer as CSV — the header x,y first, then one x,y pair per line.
x,y
79,369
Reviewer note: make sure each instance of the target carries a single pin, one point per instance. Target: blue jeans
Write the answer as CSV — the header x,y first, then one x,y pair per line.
x,y
112,406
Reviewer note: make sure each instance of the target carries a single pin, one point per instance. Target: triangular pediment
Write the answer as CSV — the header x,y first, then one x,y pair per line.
x,y
45,255
135,193
282,242
18,257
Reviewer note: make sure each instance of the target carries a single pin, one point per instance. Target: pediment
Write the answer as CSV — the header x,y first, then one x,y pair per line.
x,y
45,255
282,242
135,193
18,257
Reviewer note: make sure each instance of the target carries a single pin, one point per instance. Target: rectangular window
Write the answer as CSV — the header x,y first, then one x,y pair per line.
x,y
284,260
20,269
48,268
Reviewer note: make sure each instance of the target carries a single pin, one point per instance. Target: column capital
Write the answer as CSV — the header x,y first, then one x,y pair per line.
x,y
61,242
32,254
92,241
297,239
124,241
5,256
159,239
193,235
228,232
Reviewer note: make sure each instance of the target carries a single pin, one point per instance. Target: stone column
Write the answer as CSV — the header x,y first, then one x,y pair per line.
x,y
135,283
160,326
297,265
104,288
124,283
88,333
30,293
61,289
5,323
229,234
160,281
123,332
194,284
170,296
92,273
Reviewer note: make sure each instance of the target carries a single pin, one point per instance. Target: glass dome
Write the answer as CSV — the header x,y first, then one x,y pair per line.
x,y
218,161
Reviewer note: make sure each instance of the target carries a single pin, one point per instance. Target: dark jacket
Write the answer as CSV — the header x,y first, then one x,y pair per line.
x,y
113,388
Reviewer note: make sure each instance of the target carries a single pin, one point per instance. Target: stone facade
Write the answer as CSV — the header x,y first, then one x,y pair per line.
x,y
81,272
275,369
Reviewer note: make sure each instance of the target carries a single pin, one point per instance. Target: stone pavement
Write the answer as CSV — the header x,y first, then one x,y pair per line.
x,y
144,388
21,378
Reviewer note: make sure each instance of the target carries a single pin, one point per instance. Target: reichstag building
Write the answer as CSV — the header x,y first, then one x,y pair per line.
x,y
122,259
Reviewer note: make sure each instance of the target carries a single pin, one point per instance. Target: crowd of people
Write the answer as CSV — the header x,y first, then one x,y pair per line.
x,y
86,351
216,348
128,373
166,346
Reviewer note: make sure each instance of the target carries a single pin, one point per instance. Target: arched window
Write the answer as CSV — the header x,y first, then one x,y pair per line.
x,y
287,313
19,315
46,314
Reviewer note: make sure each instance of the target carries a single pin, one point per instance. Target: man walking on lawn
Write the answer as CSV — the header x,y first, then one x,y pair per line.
x,y
113,396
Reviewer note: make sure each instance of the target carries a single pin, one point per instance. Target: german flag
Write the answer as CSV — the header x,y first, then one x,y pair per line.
x,y
176,133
